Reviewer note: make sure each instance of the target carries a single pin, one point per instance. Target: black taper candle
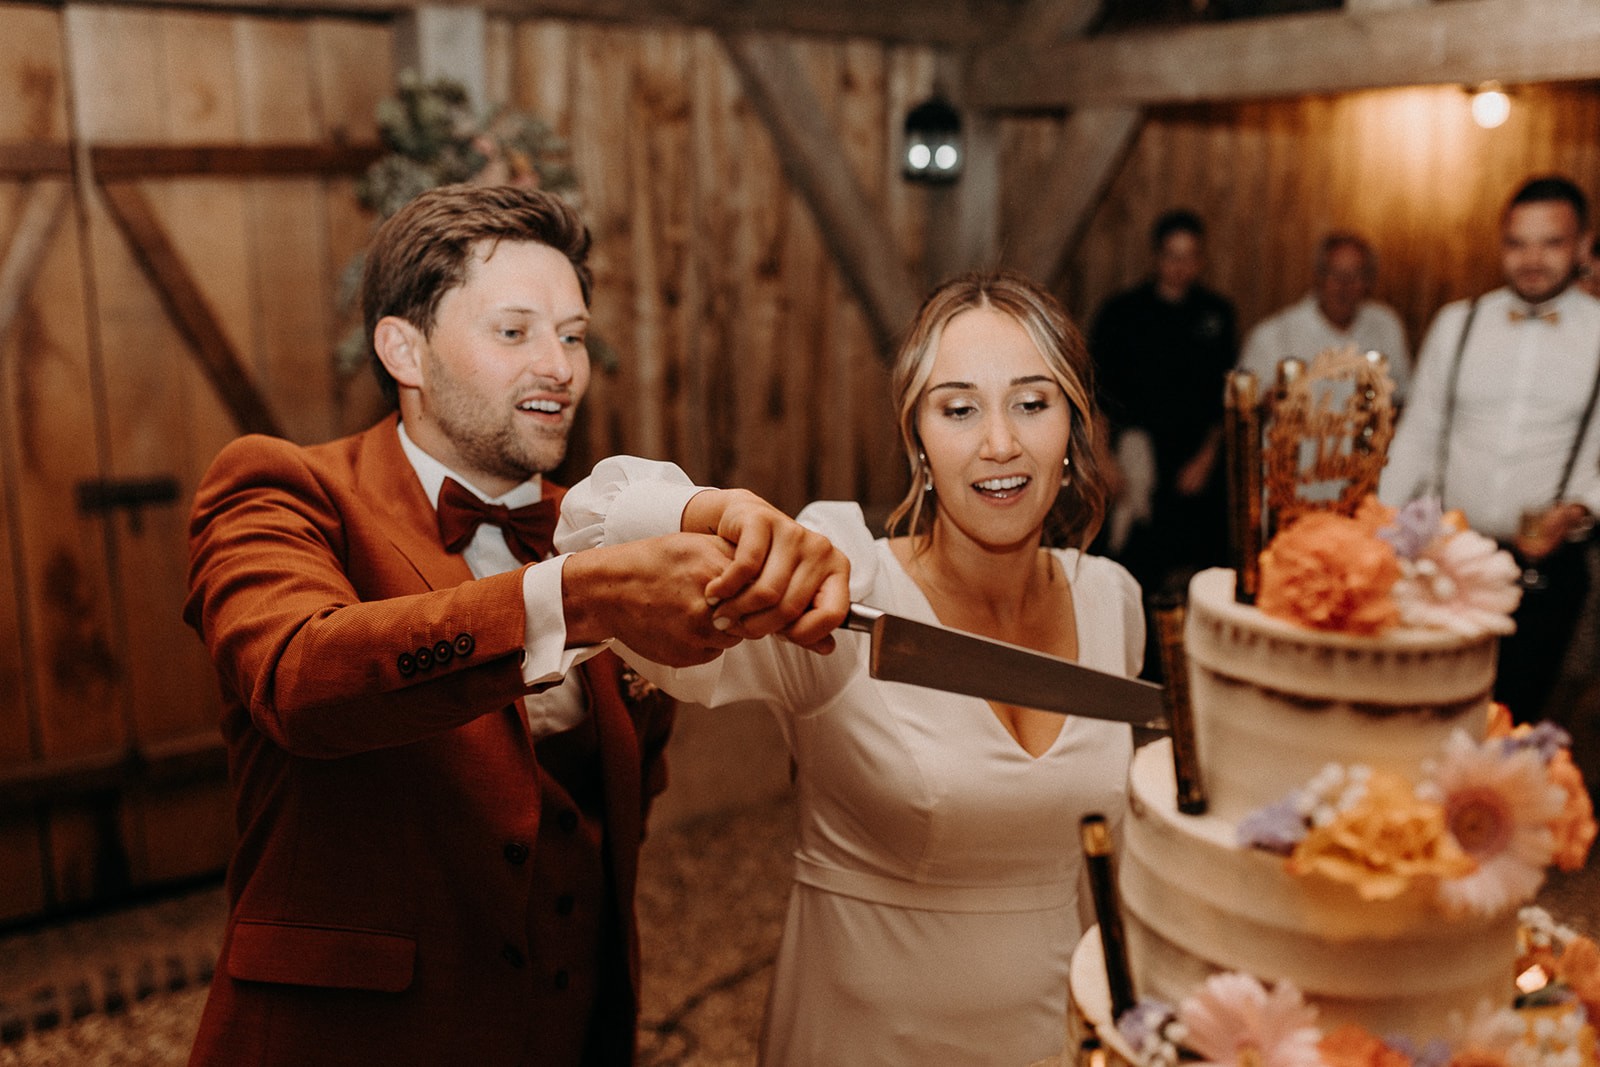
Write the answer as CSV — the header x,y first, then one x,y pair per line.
x,y
1170,615
1096,837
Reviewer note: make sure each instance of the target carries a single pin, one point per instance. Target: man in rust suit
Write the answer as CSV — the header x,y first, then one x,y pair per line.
x,y
440,776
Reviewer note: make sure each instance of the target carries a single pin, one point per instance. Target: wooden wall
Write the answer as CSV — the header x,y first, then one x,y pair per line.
x,y
99,678
1406,167
740,353
738,350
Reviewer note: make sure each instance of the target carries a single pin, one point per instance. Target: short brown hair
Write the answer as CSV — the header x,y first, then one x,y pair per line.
x,y
422,251
1081,505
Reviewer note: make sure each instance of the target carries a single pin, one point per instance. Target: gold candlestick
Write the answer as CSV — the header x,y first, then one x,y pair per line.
x,y
1180,711
1096,837
1242,434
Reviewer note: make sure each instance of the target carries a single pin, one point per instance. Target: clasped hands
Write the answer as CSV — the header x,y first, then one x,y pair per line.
x,y
740,570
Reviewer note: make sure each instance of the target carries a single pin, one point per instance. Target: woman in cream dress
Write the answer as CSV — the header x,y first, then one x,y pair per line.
x,y
938,890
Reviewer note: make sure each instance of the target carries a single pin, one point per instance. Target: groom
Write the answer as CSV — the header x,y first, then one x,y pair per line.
x,y
440,778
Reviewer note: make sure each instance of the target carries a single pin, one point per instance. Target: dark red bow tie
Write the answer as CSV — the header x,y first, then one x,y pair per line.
x,y
529,529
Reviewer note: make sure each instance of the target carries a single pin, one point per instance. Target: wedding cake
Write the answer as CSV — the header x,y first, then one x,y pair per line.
x,y
1373,823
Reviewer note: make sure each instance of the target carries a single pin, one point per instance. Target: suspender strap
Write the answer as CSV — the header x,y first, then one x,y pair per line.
x,y
1442,456
1577,441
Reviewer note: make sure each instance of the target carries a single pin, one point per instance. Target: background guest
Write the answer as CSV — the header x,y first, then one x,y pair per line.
x,y
1502,425
1339,311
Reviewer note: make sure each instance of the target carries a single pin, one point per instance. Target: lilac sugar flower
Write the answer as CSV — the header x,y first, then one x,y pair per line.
x,y
1277,827
1415,527
1547,738
1144,1022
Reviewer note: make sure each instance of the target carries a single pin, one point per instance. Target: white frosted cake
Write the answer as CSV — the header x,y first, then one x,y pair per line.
x,y
1273,703
1373,822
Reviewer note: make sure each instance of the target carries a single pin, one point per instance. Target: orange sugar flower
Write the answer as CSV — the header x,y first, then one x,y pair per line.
x,y
1329,572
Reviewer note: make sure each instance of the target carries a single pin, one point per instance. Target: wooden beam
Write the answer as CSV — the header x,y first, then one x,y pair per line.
x,y
190,310
446,42
953,23
120,163
1463,41
1093,147
28,159
1054,20
43,205
182,761
813,158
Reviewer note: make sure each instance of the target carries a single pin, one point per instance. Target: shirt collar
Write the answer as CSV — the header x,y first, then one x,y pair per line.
x,y
431,473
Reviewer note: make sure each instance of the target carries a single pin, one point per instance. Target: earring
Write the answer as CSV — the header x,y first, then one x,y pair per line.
x,y
927,473
1066,470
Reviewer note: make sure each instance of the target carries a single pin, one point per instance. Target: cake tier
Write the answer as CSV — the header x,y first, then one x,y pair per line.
x,y
1274,702
1194,903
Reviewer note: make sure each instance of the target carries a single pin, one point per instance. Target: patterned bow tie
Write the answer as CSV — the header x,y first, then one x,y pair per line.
x,y
1550,315
529,529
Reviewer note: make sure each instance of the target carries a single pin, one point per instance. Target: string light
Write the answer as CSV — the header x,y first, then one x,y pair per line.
x,y
1490,105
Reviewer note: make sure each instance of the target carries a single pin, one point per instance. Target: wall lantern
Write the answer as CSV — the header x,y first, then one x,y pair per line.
x,y
1490,105
933,142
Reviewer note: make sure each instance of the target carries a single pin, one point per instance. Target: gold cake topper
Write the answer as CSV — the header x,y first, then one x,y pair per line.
x,y
1331,427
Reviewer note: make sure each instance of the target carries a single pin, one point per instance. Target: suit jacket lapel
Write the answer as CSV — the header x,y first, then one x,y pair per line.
x,y
385,478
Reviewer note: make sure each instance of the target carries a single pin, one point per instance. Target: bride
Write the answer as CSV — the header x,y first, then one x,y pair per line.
x,y
938,888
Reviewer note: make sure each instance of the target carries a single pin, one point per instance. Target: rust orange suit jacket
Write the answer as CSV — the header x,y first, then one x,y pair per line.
x,y
373,891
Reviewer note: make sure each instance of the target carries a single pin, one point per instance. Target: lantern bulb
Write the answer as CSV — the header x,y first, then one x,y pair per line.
x,y
1490,108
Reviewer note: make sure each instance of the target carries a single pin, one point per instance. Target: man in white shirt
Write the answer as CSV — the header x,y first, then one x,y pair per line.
x,y
1501,424
1338,312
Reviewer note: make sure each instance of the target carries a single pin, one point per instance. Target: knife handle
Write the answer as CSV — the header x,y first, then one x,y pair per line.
x,y
861,618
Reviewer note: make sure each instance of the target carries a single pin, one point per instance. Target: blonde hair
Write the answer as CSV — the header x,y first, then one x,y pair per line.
x,y
1080,506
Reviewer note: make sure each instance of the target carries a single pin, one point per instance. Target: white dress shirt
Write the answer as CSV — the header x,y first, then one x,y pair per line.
x,y
546,657
1519,396
1300,331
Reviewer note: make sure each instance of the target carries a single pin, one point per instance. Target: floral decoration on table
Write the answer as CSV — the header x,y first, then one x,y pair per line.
x,y
1477,832
1235,1020
435,137
1378,568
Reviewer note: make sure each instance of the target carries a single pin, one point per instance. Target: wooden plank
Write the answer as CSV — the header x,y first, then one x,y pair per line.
x,y
129,162
445,42
1093,147
34,160
190,310
352,75
941,22
1462,42
812,157
43,205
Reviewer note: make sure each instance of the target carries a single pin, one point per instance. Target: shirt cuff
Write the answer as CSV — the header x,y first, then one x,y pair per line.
x,y
546,657
647,509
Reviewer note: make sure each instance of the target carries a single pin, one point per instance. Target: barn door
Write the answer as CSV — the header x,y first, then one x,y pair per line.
x,y
176,302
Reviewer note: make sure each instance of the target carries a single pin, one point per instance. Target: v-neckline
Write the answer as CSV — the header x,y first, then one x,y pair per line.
x,y
993,712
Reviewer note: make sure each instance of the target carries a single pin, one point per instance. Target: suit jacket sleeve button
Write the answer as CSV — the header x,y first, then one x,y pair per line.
x,y
407,664
442,653
424,658
516,852
464,644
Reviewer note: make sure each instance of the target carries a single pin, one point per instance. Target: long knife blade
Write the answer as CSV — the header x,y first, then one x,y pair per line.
x,y
918,653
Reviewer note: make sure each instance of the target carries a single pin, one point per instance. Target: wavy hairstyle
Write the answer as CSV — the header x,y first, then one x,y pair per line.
x,y
1081,505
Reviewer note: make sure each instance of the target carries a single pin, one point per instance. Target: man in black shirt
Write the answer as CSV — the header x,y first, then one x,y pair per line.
x,y
1162,351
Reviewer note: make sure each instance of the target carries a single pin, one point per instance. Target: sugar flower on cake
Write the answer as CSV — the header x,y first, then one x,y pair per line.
x,y
1352,1046
1574,826
1499,804
1489,1037
1450,578
1383,843
1236,1021
1328,572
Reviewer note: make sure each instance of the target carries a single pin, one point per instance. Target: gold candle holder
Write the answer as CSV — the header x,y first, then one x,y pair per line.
x,y
1096,837
1170,616
1242,436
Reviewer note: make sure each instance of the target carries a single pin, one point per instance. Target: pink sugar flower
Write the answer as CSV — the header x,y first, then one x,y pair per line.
x,y
1499,805
1462,582
1233,1020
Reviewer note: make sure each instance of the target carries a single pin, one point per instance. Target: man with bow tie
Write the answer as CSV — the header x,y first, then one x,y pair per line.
x,y
440,779
1502,424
